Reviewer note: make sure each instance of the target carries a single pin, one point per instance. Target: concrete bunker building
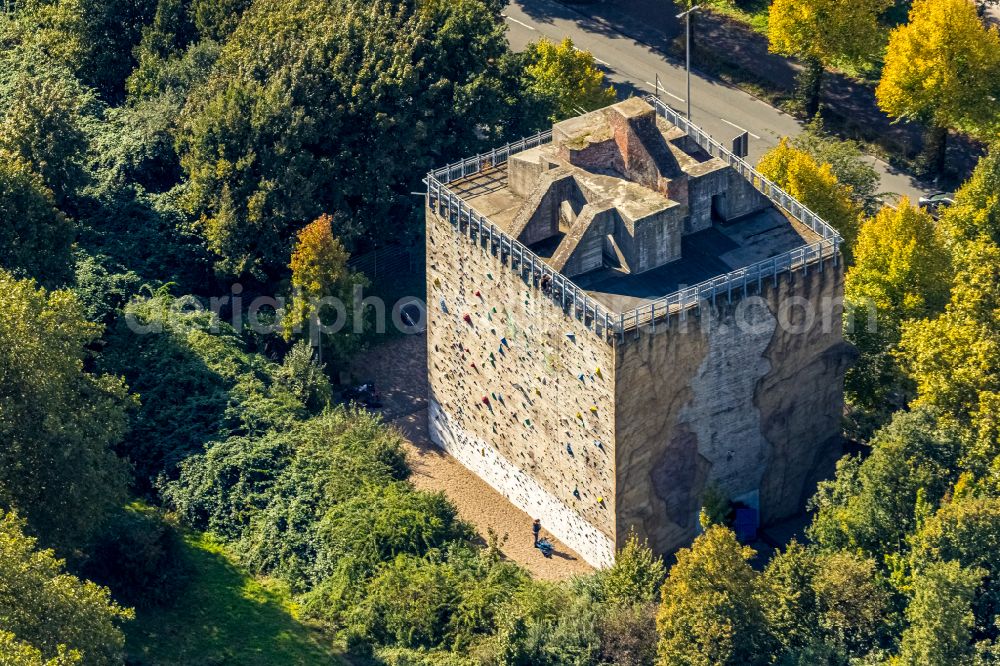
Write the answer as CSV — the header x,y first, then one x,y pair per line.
x,y
621,312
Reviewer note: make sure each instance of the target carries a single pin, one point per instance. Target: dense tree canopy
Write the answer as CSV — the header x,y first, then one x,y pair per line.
x,y
976,211
47,615
35,237
58,422
317,107
44,124
915,456
901,271
955,358
823,33
709,612
943,67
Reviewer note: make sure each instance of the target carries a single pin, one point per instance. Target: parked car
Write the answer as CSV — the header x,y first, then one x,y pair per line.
x,y
364,394
936,203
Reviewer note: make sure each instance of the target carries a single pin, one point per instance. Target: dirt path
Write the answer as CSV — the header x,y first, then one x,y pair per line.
x,y
398,368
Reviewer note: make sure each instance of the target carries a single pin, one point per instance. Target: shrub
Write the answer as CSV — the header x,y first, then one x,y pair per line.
x,y
140,557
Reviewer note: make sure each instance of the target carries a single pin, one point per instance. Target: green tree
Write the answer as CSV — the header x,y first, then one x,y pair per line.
x,y
823,607
217,19
942,68
35,238
815,185
939,615
901,271
564,80
853,602
93,38
345,109
45,123
789,601
635,577
954,359
710,614
49,615
966,531
57,421
847,162
18,653
915,456
824,33
975,215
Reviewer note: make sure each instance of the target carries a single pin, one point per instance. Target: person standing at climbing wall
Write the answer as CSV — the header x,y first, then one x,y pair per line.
x,y
536,527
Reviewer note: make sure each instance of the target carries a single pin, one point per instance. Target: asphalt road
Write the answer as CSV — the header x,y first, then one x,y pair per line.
x,y
718,108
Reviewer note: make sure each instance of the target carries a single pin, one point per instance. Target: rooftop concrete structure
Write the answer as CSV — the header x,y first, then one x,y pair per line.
x,y
630,208
622,313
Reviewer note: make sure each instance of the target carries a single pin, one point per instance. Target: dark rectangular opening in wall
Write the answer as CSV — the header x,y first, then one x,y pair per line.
x,y
719,208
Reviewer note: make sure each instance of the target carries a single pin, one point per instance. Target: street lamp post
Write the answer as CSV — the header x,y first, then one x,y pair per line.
x,y
686,15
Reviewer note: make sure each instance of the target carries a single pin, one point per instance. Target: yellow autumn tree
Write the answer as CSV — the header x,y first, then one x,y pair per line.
x,y
954,358
901,271
823,33
943,68
563,80
814,185
320,280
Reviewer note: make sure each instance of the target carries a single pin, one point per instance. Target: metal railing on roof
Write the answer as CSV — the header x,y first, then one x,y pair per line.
x,y
511,252
574,300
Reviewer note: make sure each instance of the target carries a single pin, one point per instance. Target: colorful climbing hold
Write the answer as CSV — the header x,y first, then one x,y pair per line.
x,y
467,317
576,492
569,449
580,376
579,416
597,371
503,341
600,500
486,400
478,295
489,275
593,409
571,336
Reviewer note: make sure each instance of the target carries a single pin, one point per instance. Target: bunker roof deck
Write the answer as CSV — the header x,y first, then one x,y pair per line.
x,y
719,249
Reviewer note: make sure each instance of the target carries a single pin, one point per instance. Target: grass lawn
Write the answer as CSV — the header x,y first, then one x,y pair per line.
x,y
751,12
224,616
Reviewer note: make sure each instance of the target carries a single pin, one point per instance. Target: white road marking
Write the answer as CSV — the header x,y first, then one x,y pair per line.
x,y
742,129
521,23
662,89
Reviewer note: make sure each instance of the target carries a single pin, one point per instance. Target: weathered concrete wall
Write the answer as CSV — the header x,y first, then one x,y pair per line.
x,y
742,198
583,248
538,218
527,387
653,240
746,396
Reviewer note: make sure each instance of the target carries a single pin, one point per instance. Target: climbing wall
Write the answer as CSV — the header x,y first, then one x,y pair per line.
x,y
520,393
